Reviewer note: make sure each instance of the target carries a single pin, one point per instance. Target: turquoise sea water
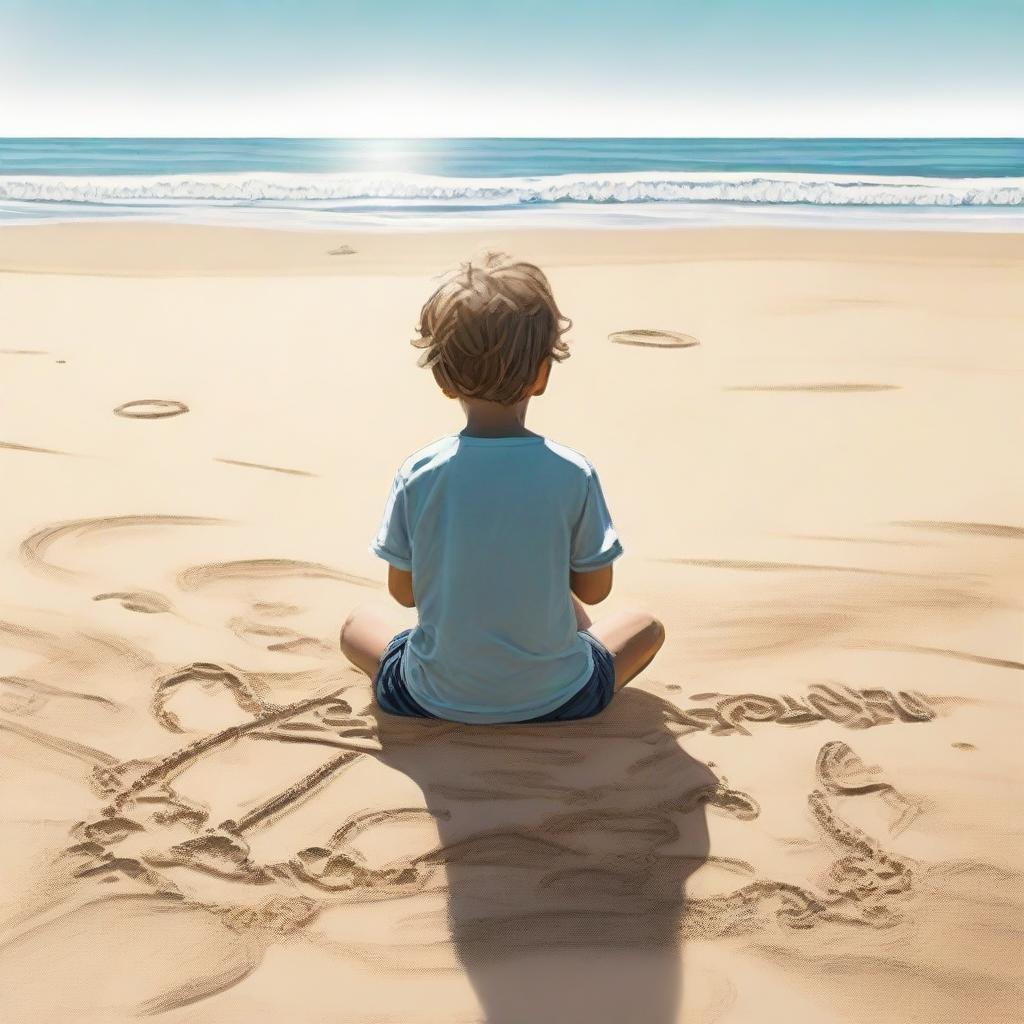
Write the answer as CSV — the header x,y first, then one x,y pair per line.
x,y
977,184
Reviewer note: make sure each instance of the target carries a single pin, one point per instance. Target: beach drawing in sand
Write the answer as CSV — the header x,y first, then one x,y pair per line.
x,y
791,245
220,791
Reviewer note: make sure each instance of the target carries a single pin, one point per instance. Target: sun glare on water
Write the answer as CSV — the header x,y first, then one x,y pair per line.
x,y
383,155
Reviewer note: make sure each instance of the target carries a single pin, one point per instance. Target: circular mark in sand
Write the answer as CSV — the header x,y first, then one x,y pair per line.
x,y
653,339
151,409
206,676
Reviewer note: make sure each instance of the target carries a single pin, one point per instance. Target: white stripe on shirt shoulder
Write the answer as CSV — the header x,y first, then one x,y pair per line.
x,y
570,455
431,455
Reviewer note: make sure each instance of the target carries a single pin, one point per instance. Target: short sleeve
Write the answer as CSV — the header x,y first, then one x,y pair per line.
x,y
595,543
392,542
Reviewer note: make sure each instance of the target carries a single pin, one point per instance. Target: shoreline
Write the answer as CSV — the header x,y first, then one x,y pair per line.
x,y
140,249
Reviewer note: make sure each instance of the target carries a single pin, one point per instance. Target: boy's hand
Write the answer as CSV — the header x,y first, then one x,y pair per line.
x,y
400,586
591,587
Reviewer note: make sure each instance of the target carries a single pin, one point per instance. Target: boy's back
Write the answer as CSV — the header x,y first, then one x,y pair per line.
x,y
496,535
490,528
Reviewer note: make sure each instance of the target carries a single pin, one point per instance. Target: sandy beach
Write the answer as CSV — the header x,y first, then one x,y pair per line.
x,y
807,809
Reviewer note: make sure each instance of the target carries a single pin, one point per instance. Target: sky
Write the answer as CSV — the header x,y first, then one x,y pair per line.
x,y
406,68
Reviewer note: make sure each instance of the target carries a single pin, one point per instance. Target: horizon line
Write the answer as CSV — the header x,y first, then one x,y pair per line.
x,y
533,138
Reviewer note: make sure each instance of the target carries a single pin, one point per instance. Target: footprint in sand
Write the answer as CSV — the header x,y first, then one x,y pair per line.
x,y
151,409
342,250
653,339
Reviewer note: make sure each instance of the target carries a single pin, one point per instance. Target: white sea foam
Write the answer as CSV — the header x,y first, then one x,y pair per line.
x,y
411,190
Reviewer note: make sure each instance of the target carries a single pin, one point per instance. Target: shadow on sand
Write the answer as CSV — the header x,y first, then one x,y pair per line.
x,y
566,848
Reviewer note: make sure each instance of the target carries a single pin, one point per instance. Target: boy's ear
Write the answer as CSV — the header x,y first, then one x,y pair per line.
x,y
446,391
540,385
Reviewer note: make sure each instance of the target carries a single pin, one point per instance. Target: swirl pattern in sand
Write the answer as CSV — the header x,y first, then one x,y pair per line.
x,y
271,815
834,702
34,548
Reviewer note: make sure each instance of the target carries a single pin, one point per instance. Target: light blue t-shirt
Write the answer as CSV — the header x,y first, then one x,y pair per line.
x,y
490,528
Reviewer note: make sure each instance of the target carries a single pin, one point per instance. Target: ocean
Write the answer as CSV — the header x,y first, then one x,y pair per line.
x,y
424,184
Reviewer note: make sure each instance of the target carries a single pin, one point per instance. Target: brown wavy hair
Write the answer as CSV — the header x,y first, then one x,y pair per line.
x,y
489,327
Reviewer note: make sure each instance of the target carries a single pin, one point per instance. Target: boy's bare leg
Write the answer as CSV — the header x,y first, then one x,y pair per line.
x,y
632,639
365,635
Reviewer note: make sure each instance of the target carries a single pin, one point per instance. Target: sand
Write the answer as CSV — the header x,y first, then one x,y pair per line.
x,y
807,809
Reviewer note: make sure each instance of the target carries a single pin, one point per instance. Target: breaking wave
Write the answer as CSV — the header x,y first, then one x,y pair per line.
x,y
412,190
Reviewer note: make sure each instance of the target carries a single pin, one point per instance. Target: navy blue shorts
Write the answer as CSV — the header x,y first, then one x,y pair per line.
x,y
394,697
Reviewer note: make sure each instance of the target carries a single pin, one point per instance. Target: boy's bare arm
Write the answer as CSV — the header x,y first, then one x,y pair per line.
x,y
400,586
591,587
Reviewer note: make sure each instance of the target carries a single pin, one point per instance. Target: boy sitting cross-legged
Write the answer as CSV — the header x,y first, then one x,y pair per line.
x,y
496,534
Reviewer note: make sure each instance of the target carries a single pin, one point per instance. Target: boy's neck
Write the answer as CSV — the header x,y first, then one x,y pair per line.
x,y
492,419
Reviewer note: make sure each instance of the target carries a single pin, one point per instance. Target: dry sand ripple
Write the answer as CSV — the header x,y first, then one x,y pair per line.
x,y
1001,530
265,569
11,446
836,388
146,602
264,466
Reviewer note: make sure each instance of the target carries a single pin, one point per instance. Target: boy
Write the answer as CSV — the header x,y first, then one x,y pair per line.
x,y
496,534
